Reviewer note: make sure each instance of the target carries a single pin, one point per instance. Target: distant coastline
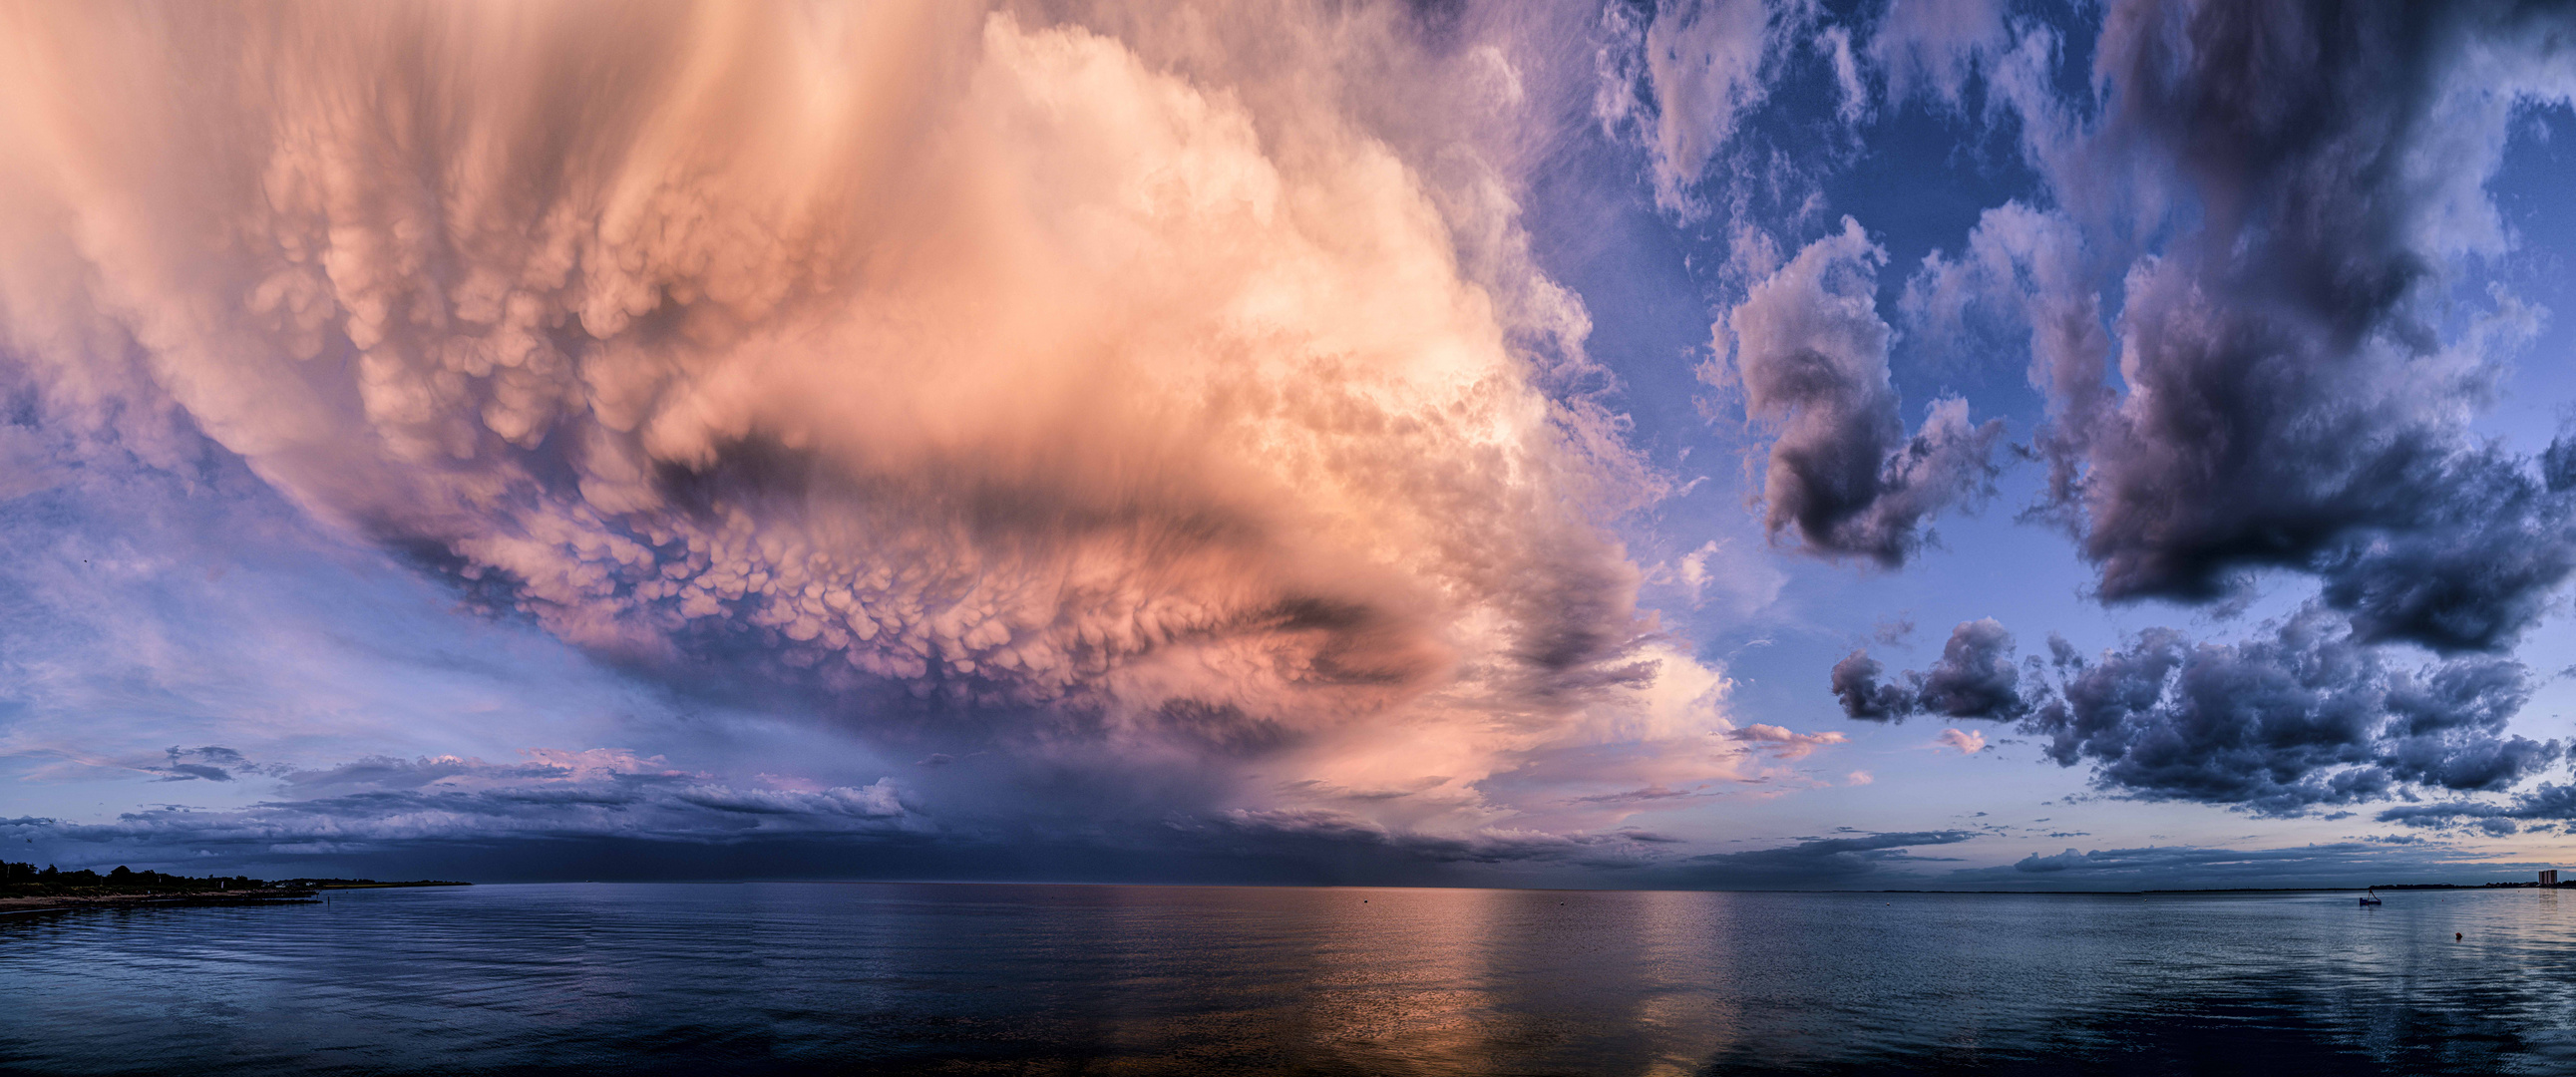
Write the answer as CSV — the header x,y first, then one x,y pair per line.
x,y
25,889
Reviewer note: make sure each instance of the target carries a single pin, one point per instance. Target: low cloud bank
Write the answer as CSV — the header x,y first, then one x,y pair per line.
x,y
1837,861
379,803
2187,867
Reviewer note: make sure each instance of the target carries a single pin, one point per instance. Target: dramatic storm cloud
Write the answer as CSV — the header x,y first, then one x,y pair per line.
x,y
1144,397
2287,394
1299,440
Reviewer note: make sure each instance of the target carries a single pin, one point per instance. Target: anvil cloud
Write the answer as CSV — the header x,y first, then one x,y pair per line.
x,y
955,366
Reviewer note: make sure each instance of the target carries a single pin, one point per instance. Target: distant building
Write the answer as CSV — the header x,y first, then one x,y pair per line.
x,y
2549,877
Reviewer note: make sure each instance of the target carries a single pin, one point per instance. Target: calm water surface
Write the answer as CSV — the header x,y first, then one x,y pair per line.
x,y
872,978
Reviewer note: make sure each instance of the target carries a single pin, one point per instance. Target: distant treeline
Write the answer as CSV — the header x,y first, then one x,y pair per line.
x,y
16,878
2532,885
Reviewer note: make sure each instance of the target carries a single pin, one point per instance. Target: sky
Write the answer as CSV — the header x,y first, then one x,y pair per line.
x,y
1743,443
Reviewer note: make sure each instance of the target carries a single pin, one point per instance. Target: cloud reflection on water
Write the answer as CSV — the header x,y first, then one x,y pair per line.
x,y
1213,980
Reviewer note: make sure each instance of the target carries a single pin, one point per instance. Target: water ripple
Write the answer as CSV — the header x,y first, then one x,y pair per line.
x,y
783,977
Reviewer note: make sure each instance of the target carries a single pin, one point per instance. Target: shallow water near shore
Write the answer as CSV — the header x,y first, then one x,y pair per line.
x,y
877,978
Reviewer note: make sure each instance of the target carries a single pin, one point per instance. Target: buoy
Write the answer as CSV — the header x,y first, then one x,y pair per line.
x,y
2455,936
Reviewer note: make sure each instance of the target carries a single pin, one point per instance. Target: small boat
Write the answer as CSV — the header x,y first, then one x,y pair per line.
x,y
2371,897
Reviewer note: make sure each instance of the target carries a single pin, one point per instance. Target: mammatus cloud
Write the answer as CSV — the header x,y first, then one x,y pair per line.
x,y
2305,715
1173,392
2319,170
1094,383
1810,353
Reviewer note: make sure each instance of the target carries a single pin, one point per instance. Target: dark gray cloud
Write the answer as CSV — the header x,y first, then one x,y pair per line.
x,y
2307,715
2549,807
1856,683
1974,678
1811,356
211,763
2288,398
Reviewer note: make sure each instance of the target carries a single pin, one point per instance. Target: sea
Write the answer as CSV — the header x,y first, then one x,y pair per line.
x,y
874,978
